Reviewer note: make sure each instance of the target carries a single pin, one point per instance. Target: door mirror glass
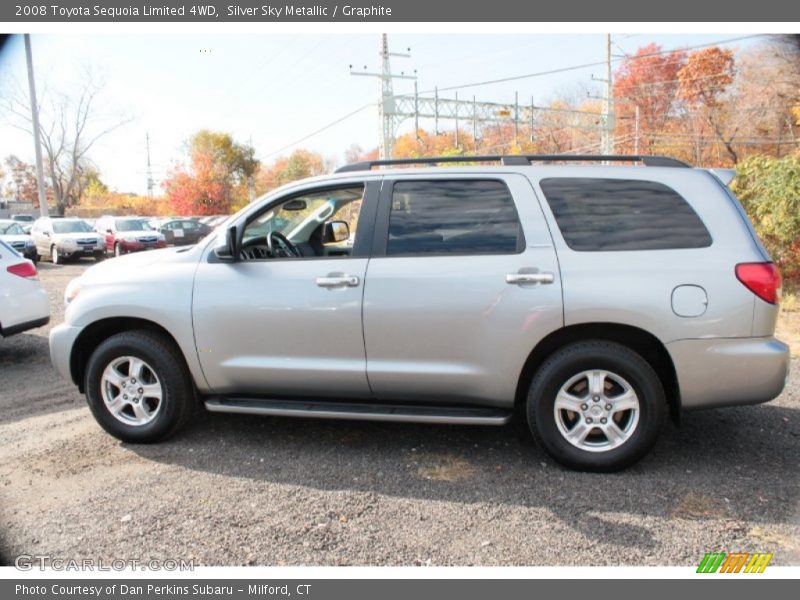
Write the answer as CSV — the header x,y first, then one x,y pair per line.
x,y
336,231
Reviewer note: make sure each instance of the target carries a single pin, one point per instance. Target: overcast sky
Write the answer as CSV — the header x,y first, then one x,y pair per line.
x,y
276,89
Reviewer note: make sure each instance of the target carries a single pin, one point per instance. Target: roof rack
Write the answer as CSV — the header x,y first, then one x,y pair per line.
x,y
517,160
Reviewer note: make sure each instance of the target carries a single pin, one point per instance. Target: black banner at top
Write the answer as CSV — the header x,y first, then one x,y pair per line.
x,y
441,11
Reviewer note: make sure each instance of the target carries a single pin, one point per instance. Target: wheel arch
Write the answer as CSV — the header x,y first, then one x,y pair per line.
x,y
642,342
93,334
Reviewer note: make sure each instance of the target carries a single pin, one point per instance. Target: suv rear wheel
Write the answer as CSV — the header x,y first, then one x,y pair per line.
x,y
138,387
596,406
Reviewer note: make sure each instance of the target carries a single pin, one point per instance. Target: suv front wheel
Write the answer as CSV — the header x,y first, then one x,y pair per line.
x,y
138,387
596,406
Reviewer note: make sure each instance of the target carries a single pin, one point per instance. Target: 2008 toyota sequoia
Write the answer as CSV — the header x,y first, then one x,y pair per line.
x,y
591,298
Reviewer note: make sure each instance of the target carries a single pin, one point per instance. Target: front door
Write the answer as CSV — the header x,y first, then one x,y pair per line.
x,y
285,320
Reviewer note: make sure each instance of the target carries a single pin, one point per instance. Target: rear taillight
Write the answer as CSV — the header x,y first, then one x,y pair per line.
x,y
23,269
763,279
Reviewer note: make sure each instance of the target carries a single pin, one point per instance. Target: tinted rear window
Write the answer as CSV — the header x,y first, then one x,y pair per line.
x,y
623,214
452,217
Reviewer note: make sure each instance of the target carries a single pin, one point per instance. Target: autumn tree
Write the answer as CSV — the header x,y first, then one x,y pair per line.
x,y
21,181
298,165
703,81
216,178
647,81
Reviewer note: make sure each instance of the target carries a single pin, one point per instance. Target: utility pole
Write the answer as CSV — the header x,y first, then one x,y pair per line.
x,y
251,181
35,122
149,169
607,145
636,137
386,106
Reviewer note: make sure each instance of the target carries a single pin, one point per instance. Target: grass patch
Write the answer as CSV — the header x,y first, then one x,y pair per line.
x,y
445,467
698,506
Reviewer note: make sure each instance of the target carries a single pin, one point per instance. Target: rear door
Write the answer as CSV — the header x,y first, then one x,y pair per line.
x,y
462,284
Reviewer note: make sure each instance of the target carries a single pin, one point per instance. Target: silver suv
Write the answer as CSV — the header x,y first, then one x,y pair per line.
x,y
592,299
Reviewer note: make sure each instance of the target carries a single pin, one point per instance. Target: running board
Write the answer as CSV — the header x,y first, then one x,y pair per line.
x,y
361,411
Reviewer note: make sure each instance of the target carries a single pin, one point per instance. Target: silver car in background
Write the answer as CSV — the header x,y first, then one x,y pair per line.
x,y
591,300
60,238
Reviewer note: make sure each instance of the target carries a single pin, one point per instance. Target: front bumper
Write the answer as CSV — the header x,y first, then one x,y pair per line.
x,y
62,340
136,246
729,372
68,251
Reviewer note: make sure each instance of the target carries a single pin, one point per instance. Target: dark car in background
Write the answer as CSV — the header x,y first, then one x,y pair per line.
x,y
183,232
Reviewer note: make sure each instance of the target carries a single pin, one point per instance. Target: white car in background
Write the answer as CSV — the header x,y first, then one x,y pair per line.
x,y
23,301
12,233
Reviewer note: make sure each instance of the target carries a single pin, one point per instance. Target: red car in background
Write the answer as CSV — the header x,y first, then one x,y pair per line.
x,y
128,234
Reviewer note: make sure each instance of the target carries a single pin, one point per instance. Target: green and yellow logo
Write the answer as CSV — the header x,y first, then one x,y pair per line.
x,y
735,562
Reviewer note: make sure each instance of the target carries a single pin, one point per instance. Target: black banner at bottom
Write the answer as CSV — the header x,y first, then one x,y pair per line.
x,y
392,589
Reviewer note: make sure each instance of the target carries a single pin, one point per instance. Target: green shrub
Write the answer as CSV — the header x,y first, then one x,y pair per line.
x,y
769,190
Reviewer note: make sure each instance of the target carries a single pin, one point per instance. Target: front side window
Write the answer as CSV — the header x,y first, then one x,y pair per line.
x,y
316,224
11,228
460,216
596,214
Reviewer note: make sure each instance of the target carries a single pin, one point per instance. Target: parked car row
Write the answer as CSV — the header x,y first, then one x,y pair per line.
x,y
64,238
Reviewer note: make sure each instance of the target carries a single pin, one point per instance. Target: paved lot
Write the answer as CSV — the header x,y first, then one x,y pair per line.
x,y
240,490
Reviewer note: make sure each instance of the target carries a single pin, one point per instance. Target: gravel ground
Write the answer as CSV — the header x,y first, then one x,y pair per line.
x,y
234,490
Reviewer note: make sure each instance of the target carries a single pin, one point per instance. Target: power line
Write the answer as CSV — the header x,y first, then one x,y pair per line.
x,y
593,64
321,129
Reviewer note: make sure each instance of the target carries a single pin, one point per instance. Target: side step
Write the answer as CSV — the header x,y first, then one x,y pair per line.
x,y
361,411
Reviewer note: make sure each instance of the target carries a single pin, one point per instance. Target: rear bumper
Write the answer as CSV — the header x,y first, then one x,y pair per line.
x,y
729,372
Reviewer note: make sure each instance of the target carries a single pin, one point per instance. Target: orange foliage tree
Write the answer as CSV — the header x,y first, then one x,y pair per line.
x,y
647,80
216,179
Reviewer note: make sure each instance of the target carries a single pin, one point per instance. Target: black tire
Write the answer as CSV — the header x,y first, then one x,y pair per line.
x,y
569,362
117,250
160,353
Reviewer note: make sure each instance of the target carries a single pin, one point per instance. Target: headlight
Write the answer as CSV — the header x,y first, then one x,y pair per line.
x,y
68,243
73,288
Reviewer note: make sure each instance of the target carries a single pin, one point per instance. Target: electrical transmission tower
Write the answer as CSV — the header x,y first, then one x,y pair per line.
x,y
149,169
395,109
386,106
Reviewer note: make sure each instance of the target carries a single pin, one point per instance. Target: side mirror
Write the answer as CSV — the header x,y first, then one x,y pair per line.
x,y
335,231
46,233
109,231
233,244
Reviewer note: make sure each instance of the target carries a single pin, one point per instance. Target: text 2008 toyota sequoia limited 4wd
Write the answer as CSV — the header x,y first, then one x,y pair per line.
x,y
592,299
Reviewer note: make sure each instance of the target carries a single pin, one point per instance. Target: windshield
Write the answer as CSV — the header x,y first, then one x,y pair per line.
x,y
11,229
25,218
70,227
133,225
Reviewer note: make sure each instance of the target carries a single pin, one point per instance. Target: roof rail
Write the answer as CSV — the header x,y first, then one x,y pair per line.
x,y
517,160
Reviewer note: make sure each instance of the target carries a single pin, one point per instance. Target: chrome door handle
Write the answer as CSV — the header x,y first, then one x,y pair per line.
x,y
335,281
517,278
